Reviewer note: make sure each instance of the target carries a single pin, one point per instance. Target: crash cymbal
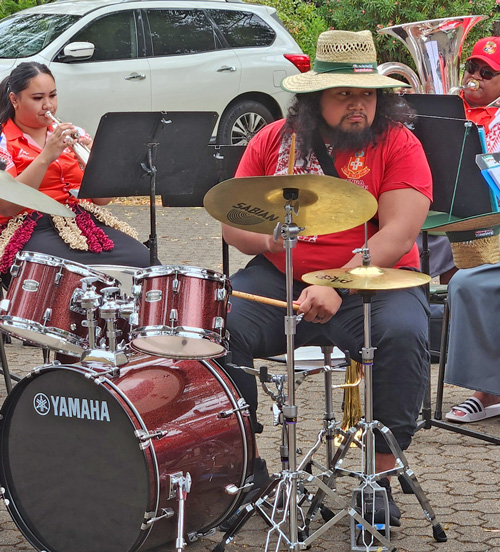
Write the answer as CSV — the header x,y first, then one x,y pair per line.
x,y
367,278
323,204
26,196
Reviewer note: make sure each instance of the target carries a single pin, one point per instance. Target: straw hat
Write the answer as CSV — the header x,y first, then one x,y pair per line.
x,y
343,59
474,240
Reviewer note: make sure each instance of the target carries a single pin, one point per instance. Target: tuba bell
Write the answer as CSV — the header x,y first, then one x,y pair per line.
x,y
435,46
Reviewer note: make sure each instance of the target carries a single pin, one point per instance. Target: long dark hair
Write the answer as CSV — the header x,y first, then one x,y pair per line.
x,y
305,119
16,82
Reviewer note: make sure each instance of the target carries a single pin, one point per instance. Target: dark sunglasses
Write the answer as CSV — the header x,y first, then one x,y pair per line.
x,y
472,68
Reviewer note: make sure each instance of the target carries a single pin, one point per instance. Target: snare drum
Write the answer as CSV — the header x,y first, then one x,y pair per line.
x,y
181,312
42,303
93,467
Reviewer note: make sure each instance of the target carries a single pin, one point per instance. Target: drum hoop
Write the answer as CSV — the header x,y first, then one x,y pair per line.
x,y
7,321
71,266
194,271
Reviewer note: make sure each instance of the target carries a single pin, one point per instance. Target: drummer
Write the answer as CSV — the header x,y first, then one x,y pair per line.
x,y
39,155
347,122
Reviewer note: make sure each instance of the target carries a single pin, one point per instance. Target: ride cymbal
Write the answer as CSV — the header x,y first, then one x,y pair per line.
x,y
26,196
369,278
322,204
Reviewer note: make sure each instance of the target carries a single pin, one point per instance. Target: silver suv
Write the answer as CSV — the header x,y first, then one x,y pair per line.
x,y
159,55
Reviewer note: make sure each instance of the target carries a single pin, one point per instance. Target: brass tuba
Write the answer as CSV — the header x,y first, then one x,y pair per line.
x,y
435,47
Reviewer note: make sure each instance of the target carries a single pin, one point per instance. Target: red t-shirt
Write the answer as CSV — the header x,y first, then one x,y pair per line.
x,y
397,162
489,118
63,175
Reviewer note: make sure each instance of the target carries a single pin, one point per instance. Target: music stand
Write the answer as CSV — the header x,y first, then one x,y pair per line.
x,y
145,154
459,189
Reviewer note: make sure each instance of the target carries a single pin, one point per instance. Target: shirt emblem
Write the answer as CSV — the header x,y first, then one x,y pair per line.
x,y
355,167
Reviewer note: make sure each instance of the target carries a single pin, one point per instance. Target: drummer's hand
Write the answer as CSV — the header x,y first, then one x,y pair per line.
x,y
319,303
58,141
275,246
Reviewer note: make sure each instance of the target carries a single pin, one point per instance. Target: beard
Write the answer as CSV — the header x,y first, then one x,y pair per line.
x,y
348,140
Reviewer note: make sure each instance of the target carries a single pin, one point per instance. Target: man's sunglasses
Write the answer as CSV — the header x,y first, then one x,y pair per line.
x,y
486,74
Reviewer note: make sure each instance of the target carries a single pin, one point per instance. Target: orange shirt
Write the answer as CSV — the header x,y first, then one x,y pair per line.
x,y
19,150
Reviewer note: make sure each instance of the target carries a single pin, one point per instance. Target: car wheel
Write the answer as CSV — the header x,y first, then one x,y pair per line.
x,y
241,122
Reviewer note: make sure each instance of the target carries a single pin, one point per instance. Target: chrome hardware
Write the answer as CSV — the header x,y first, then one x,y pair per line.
x,y
221,294
135,76
176,285
242,406
165,514
218,323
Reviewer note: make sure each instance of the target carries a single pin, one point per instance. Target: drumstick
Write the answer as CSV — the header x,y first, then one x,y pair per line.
x,y
261,299
291,157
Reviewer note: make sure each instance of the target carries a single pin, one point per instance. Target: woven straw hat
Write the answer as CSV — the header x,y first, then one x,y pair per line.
x,y
343,59
475,247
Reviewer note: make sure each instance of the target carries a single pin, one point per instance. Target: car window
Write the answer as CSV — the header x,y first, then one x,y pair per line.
x,y
24,36
180,32
114,36
243,29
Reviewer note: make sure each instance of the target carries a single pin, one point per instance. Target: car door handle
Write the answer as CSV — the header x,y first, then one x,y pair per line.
x,y
226,69
135,76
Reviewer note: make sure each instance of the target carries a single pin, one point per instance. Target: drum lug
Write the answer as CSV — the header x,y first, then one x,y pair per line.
x,y
4,305
242,407
173,317
14,270
47,315
145,438
175,285
218,323
149,517
221,294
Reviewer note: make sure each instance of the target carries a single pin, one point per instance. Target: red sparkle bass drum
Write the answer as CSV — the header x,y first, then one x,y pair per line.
x,y
88,460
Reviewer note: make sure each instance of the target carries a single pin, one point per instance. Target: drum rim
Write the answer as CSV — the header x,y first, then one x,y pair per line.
x,y
71,266
187,270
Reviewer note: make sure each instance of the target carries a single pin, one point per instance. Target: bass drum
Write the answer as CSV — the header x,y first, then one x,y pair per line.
x,y
88,461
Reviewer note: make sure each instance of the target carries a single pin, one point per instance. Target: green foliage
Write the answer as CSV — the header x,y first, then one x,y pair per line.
x,y
357,15
302,19
8,7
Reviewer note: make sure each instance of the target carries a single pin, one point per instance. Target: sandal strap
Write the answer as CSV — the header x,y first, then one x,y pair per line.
x,y
470,406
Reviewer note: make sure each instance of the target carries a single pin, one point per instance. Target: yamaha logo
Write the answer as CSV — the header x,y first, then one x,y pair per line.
x,y
41,404
69,407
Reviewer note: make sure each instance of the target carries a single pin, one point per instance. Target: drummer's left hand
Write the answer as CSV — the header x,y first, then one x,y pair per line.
x,y
319,303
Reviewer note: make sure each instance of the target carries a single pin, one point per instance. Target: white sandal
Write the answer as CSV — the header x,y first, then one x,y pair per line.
x,y
474,410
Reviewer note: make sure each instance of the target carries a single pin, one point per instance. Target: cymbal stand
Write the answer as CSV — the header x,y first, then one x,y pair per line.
x,y
369,488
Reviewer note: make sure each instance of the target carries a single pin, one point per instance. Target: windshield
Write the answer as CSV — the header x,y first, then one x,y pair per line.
x,y
25,35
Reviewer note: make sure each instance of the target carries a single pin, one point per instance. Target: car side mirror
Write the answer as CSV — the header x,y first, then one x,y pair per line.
x,y
78,51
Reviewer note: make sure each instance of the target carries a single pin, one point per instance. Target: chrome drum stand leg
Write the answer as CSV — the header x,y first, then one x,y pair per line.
x,y
369,487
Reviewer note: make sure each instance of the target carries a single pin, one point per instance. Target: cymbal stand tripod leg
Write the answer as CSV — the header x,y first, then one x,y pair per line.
x,y
368,477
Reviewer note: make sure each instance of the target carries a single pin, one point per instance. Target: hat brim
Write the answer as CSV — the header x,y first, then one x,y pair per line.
x,y
446,223
315,82
488,60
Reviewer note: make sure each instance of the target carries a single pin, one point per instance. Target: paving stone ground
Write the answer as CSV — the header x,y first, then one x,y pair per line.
x,y
460,475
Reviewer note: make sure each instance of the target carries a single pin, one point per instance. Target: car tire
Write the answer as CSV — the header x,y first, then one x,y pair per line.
x,y
241,122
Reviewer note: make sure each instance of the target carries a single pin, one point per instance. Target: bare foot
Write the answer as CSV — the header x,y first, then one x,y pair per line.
x,y
487,399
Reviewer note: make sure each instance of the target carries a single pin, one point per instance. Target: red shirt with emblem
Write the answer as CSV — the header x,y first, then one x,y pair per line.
x,y
19,150
397,162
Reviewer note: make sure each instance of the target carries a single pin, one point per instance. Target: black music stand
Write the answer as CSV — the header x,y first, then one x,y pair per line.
x,y
145,154
459,189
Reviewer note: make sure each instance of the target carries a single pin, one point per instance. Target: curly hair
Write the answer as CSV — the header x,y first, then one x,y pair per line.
x,y
305,119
